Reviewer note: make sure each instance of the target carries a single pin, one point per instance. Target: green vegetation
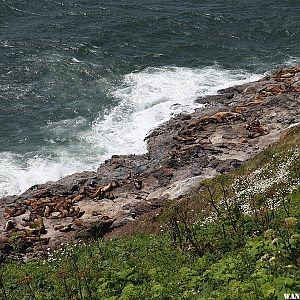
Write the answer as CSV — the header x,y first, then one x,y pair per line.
x,y
238,238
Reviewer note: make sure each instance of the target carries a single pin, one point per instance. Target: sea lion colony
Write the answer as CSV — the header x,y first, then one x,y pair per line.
x,y
233,126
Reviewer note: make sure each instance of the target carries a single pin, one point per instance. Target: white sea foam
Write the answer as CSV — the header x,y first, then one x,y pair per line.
x,y
150,97
145,99
17,176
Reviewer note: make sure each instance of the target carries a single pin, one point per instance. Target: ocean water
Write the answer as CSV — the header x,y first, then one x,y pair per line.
x,y
82,80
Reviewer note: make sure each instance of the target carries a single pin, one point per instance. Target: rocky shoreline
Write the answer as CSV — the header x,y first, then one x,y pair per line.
x,y
232,127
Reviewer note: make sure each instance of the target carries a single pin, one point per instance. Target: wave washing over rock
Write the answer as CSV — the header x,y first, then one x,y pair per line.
x,y
144,100
228,129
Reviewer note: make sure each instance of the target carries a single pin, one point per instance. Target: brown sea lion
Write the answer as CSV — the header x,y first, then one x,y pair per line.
x,y
47,212
220,117
107,188
78,198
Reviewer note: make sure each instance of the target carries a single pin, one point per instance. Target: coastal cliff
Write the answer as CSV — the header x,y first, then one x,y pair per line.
x,y
232,127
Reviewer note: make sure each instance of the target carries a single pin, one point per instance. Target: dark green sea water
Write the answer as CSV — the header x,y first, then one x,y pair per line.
x,y
81,80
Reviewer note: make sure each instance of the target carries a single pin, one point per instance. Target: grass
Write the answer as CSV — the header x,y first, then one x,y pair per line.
x,y
237,238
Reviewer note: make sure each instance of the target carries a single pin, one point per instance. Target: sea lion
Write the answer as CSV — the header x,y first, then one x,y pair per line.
x,y
78,198
27,202
275,89
58,227
256,101
78,222
239,109
107,188
66,228
192,124
97,193
7,213
220,117
43,201
52,204
265,94
64,213
47,212
96,213
42,194
58,206
18,211
74,211
55,215
296,89
255,129
286,75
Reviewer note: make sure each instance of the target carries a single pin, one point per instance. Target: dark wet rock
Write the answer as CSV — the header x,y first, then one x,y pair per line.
x,y
214,100
98,229
230,135
121,222
163,175
75,188
5,250
235,90
10,225
22,245
228,165
138,209
66,228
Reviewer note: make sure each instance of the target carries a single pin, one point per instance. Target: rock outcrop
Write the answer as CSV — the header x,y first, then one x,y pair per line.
x,y
232,127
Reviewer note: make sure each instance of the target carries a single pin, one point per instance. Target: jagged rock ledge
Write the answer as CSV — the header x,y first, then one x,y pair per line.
x,y
232,127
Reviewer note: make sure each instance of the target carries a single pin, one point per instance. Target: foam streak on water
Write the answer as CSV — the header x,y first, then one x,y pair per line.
x,y
144,100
